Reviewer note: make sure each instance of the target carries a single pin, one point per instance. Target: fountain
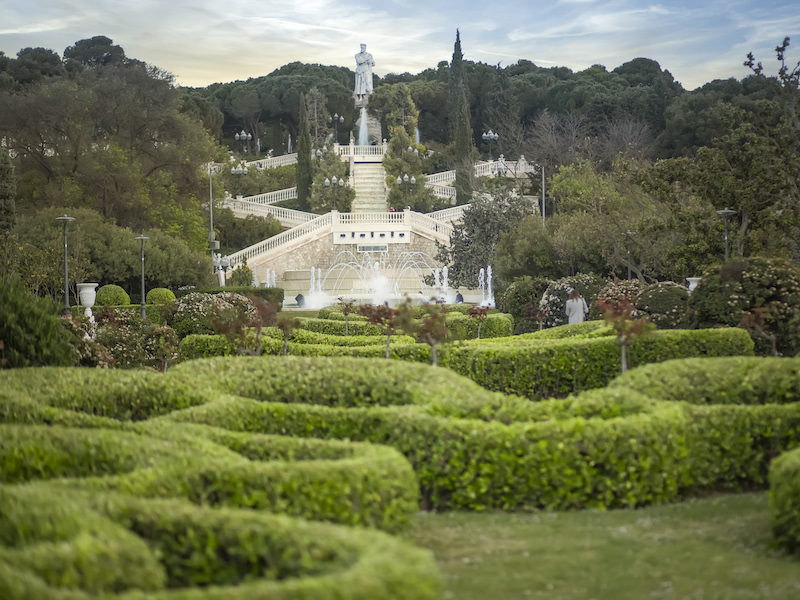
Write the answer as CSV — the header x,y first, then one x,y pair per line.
x,y
484,282
363,130
375,278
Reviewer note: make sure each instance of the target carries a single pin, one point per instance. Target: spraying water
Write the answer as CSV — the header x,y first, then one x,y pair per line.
x,y
363,130
416,134
482,284
445,285
489,285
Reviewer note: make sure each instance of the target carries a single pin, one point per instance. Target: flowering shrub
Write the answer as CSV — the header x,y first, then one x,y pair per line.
x,y
134,343
664,303
520,298
729,292
619,292
113,295
87,351
195,313
554,299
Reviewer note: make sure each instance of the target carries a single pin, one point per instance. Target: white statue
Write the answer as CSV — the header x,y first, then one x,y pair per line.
x,y
365,63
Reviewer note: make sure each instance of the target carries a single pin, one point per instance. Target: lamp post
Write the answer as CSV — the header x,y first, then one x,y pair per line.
x,y
321,152
404,183
334,181
221,263
244,138
239,170
726,213
336,118
142,238
490,136
64,220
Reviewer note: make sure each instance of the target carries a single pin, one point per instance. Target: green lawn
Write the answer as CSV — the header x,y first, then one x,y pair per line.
x,y
714,548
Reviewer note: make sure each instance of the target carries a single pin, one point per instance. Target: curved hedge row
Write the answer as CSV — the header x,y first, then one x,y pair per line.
x,y
784,500
118,498
542,368
78,546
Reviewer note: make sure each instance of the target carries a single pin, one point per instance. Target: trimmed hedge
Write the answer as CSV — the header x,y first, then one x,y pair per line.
x,y
330,327
538,369
784,501
76,546
274,295
464,327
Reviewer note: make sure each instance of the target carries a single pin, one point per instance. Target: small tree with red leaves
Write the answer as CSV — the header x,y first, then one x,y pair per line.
x,y
431,328
384,316
286,323
618,315
348,307
480,313
535,313
244,330
755,323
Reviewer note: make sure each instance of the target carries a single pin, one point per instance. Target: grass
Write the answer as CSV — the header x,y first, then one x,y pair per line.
x,y
713,548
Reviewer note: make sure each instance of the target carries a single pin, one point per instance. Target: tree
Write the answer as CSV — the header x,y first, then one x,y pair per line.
x,y
111,139
8,190
97,51
402,161
474,240
35,64
318,116
304,166
332,169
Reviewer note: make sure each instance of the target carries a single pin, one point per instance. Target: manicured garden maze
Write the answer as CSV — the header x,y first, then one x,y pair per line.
x,y
151,472
97,498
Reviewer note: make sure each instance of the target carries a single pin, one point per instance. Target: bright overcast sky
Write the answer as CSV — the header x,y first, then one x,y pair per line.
x,y
207,41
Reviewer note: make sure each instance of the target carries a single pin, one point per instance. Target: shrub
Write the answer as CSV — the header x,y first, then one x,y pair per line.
x,y
498,325
516,299
664,303
112,294
243,276
554,299
160,296
274,295
784,501
728,293
134,343
31,332
196,312
621,290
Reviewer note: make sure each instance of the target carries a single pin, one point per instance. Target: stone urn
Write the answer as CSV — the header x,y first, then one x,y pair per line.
x,y
87,294
693,281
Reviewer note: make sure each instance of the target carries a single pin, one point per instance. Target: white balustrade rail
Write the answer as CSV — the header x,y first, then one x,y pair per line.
x,y
272,197
287,216
275,161
437,228
379,218
441,178
449,215
307,229
442,191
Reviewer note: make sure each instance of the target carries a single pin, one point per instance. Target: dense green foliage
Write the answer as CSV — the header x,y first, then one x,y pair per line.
x,y
31,332
784,499
770,288
664,304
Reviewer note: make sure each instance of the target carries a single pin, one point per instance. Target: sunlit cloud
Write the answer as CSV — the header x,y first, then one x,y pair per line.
x,y
205,41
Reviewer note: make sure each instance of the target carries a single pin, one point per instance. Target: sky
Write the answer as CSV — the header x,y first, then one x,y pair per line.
x,y
207,41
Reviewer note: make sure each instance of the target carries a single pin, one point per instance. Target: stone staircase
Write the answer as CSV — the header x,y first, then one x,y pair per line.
x,y
370,187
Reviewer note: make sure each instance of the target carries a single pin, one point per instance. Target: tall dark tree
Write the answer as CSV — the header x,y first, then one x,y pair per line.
x,y
98,51
304,168
8,192
463,152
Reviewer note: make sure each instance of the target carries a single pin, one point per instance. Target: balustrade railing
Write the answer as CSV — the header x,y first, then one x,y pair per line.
x,y
438,228
306,229
272,197
449,215
286,216
442,191
276,161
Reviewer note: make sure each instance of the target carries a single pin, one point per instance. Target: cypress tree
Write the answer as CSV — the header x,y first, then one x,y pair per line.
x,y
304,167
460,130
8,192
